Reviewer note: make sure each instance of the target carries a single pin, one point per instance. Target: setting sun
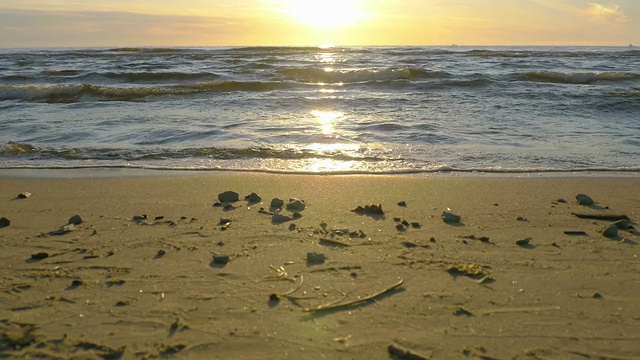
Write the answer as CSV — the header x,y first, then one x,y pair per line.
x,y
326,13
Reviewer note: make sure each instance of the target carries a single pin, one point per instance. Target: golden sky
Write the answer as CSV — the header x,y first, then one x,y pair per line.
x,y
71,23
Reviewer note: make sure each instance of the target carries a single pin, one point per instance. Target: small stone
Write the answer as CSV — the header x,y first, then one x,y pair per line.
x,y
228,197
76,283
276,203
161,253
561,200
292,227
402,203
217,204
75,220
4,222
24,195
400,227
296,216
584,199
521,218
315,258
610,231
224,221
279,219
221,259
228,207
598,296
158,217
416,225
450,217
295,205
523,242
40,256
253,198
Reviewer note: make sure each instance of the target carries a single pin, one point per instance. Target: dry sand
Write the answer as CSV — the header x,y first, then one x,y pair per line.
x,y
117,288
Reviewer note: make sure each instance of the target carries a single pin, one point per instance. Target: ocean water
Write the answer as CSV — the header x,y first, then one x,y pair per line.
x,y
322,110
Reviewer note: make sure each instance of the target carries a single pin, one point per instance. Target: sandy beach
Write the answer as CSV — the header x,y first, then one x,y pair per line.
x,y
153,267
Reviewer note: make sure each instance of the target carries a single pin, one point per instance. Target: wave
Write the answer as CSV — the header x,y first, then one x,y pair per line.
x,y
587,78
315,75
79,92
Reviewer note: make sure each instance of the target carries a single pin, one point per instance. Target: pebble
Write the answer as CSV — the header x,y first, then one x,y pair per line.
x,y
315,258
221,259
276,203
416,225
584,199
295,205
40,256
228,197
4,222
402,203
610,231
75,220
400,227
253,198
279,218
161,253
24,195
561,200
76,283
523,242
450,217
521,218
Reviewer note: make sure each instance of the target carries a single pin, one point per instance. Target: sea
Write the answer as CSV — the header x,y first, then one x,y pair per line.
x,y
323,110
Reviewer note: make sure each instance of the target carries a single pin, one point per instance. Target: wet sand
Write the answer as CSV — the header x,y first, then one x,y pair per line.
x,y
136,278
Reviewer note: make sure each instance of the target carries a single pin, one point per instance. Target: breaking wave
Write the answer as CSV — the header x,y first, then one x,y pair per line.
x,y
315,75
587,78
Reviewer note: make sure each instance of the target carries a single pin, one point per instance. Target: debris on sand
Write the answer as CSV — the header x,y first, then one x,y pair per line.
x,y
469,270
4,222
24,195
315,258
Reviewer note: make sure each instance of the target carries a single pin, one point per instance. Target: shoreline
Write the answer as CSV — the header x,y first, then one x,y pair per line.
x,y
155,269
100,172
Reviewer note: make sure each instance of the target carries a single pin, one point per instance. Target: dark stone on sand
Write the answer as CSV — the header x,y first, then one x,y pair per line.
x,y
4,222
295,205
450,218
40,256
75,220
276,203
292,227
224,221
523,242
161,253
296,216
400,227
521,218
598,296
279,219
158,217
253,198
228,207
416,225
24,195
562,201
217,204
221,259
76,283
610,231
228,197
402,203
315,258
369,210
584,199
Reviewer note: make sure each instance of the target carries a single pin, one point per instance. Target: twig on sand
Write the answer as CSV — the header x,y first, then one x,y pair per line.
x,y
609,217
339,304
399,352
333,242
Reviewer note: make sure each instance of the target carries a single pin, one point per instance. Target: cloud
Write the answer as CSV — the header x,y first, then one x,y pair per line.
x,y
610,14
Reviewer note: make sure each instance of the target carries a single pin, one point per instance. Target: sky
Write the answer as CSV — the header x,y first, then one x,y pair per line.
x,y
99,23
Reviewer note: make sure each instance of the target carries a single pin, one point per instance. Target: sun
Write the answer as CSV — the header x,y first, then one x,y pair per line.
x,y
326,13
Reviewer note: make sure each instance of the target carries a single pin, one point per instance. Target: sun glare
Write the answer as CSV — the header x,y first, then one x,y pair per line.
x,y
326,13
